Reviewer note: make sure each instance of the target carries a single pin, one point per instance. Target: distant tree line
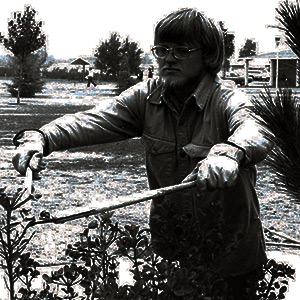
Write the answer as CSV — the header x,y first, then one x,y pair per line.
x,y
117,58
249,48
229,45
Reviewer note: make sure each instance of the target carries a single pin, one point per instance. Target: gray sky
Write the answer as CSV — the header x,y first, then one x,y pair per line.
x,y
74,28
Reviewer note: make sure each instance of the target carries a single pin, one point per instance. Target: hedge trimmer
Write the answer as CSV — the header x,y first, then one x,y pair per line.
x,y
122,201
138,198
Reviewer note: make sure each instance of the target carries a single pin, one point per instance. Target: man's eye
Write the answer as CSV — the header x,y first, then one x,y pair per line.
x,y
181,51
161,51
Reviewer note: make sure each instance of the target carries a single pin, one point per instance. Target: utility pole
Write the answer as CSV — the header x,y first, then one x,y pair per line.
x,y
277,43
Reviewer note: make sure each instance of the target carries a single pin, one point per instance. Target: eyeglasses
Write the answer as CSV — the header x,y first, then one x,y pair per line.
x,y
180,52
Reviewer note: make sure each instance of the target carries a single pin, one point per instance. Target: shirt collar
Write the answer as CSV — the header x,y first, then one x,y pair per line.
x,y
205,89
155,97
201,94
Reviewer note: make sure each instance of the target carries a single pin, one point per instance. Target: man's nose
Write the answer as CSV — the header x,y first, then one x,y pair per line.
x,y
170,56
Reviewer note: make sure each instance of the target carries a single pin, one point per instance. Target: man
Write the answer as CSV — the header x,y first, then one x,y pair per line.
x,y
91,77
193,128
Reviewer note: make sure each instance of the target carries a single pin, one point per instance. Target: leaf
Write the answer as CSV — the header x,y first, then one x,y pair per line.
x,y
184,291
44,215
47,278
85,283
14,218
36,273
26,211
283,289
93,224
277,285
22,290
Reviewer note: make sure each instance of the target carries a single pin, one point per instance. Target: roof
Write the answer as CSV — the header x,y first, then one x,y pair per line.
x,y
80,61
284,54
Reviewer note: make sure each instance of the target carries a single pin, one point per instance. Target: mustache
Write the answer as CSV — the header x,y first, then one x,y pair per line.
x,y
170,68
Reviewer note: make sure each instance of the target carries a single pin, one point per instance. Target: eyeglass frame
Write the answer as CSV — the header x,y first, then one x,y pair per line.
x,y
172,51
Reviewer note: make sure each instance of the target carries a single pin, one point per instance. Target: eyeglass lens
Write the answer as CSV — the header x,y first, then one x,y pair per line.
x,y
178,52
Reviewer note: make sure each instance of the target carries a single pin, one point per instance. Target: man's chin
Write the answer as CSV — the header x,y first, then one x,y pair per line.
x,y
173,83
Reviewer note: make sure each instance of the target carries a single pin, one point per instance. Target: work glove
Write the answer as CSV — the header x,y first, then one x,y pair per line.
x,y
219,169
29,152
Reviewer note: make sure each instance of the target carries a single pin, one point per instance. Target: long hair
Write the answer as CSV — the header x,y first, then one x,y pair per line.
x,y
188,26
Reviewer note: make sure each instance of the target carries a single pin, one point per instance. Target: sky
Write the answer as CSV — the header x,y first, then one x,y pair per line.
x,y
75,28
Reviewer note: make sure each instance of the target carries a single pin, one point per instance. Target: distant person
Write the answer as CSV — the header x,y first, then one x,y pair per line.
x,y
150,72
91,77
140,75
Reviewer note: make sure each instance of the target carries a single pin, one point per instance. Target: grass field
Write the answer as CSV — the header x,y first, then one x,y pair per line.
x,y
79,180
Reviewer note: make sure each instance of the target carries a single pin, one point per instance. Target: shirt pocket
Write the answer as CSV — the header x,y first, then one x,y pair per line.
x,y
160,156
197,151
157,146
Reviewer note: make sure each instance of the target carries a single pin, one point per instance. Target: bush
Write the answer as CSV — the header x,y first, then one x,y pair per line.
x,y
95,259
30,82
27,89
6,72
125,81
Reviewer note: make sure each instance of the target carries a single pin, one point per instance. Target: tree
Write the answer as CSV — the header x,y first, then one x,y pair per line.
x,y
289,18
229,45
31,81
131,56
147,59
24,38
108,55
116,54
249,48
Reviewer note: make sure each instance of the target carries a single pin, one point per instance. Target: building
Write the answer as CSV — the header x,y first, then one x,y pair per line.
x,y
288,65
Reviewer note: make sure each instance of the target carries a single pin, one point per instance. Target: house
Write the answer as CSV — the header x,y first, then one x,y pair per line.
x,y
288,65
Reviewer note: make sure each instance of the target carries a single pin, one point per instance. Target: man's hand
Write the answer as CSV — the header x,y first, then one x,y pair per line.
x,y
219,170
29,153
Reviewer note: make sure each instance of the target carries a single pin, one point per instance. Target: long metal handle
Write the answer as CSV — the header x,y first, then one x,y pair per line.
x,y
283,235
145,196
122,202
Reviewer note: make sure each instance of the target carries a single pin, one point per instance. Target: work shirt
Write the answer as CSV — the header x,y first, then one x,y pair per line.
x,y
176,137
91,73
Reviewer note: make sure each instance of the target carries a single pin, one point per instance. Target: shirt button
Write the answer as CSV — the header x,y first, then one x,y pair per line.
x,y
181,122
182,154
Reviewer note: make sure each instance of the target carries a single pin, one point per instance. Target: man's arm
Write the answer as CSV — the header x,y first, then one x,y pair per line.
x,y
245,145
245,133
114,120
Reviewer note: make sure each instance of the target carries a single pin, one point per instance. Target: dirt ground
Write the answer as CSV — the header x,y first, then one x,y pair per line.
x,y
95,176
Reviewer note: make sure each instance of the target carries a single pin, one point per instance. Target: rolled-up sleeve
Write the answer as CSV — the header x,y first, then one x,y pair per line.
x,y
112,120
244,130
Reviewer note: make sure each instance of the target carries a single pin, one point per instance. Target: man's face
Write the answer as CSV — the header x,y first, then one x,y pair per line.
x,y
177,73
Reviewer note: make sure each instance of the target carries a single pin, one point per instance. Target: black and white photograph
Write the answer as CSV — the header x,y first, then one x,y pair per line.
x,y
150,150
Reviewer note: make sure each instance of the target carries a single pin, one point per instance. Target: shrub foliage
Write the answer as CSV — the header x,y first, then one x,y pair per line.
x,y
93,271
